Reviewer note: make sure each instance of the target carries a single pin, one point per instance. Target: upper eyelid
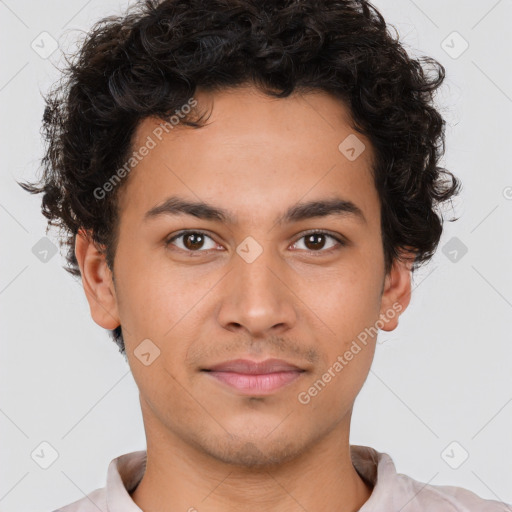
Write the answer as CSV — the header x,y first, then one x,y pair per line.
x,y
187,232
339,239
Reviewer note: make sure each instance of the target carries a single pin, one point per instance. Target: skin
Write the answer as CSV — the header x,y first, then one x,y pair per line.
x,y
210,447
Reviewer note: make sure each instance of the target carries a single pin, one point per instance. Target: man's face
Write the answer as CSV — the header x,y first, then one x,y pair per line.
x,y
251,287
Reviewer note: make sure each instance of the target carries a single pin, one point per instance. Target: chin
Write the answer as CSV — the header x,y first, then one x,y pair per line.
x,y
254,454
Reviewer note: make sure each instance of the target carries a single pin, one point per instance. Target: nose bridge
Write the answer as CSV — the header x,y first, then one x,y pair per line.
x,y
257,297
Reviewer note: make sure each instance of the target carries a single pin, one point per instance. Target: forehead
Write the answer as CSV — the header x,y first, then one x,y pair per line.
x,y
256,152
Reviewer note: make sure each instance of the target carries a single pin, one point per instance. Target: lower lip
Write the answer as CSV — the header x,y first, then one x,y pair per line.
x,y
256,384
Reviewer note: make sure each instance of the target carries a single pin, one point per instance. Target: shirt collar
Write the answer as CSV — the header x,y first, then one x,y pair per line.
x,y
123,475
379,471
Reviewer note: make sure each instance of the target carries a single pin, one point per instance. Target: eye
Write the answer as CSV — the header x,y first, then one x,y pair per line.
x,y
192,241
315,241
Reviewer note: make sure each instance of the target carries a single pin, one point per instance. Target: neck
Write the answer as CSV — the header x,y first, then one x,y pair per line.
x,y
181,476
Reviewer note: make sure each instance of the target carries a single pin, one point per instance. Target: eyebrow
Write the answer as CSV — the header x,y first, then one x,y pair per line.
x,y
175,205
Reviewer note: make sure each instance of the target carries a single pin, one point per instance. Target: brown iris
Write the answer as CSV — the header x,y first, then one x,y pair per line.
x,y
193,241
313,239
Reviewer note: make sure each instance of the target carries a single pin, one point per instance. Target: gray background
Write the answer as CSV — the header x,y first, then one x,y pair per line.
x,y
443,376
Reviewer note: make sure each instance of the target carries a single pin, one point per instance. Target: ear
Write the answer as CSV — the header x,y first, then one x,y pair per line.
x,y
97,281
396,292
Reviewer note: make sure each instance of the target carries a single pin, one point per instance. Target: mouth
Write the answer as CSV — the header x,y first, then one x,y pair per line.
x,y
255,378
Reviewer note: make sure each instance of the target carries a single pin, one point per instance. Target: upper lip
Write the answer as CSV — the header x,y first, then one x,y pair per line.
x,y
248,366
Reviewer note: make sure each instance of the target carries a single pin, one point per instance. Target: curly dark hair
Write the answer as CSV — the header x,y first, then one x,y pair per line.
x,y
149,62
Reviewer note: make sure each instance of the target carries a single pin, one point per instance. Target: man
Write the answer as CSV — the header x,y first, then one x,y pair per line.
x,y
246,187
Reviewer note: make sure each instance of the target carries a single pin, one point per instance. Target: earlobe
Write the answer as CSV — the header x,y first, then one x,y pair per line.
x,y
397,292
97,281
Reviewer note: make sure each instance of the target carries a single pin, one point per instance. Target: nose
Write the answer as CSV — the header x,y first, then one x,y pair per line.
x,y
257,297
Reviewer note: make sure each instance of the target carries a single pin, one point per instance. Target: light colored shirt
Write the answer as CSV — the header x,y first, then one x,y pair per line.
x,y
392,491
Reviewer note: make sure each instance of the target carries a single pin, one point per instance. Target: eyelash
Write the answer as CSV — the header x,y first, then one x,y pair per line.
x,y
341,242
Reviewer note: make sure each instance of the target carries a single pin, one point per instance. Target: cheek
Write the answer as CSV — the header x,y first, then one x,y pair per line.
x,y
165,392
161,303
148,292
348,346
347,299
348,304
333,389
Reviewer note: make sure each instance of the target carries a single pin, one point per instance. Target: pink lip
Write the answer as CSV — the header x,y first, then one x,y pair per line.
x,y
252,377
